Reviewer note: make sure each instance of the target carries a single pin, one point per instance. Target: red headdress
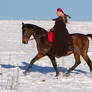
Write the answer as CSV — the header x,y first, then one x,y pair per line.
x,y
60,10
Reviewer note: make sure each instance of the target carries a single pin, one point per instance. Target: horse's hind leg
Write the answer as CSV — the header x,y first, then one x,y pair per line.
x,y
77,62
38,56
87,59
54,64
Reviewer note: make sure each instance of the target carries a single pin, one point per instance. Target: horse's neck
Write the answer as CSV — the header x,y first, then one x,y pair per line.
x,y
37,35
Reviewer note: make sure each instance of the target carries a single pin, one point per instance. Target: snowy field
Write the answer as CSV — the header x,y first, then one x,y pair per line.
x,y
15,58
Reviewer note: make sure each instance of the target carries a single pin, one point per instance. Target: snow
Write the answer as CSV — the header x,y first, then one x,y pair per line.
x,y
15,58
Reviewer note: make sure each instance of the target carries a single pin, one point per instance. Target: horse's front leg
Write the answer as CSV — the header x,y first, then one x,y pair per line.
x,y
38,56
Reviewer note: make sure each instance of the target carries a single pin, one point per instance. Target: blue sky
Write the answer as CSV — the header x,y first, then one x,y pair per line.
x,y
79,10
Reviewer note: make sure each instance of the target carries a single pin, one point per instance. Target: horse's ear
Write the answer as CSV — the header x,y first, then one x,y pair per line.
x,y
22,24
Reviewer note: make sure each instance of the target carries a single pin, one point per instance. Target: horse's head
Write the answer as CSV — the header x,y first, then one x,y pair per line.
x,y
26,33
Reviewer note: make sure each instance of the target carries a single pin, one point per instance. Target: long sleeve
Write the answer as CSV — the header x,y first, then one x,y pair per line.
x,y
57,19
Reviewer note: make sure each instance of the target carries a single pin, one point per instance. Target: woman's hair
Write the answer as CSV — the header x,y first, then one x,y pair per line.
x,y
68,16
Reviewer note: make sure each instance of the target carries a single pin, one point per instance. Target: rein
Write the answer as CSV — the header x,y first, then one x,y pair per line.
x,y
32,39
38,37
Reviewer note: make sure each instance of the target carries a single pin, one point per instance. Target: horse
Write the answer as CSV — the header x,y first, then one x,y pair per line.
x,y
80,43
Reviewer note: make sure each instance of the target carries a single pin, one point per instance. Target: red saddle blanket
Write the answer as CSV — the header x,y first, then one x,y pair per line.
x,y
50,35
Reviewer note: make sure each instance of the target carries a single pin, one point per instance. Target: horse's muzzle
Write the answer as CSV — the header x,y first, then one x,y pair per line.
x,y
25,41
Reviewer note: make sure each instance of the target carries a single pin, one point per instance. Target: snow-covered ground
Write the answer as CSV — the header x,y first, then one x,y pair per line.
x,y
15,58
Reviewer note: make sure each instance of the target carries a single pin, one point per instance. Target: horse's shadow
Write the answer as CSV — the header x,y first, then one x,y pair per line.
x,y
41,69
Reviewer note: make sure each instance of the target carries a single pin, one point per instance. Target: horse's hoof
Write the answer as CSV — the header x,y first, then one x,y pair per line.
x,y
26,73
66,75
57,75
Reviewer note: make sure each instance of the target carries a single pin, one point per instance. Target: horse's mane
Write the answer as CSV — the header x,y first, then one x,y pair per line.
x,y
36,28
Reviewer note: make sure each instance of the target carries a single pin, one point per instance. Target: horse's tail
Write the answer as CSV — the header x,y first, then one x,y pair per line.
x,y
89,35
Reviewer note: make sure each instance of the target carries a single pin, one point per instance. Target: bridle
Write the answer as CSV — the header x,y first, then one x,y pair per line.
x,y
38,37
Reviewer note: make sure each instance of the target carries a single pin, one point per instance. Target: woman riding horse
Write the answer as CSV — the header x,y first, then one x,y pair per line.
x,y
62,42
80,44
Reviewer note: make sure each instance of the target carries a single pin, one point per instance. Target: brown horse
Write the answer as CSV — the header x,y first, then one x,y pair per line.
x,y
80,42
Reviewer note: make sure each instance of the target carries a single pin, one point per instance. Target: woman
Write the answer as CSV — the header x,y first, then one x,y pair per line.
x,y
62,42
63,15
